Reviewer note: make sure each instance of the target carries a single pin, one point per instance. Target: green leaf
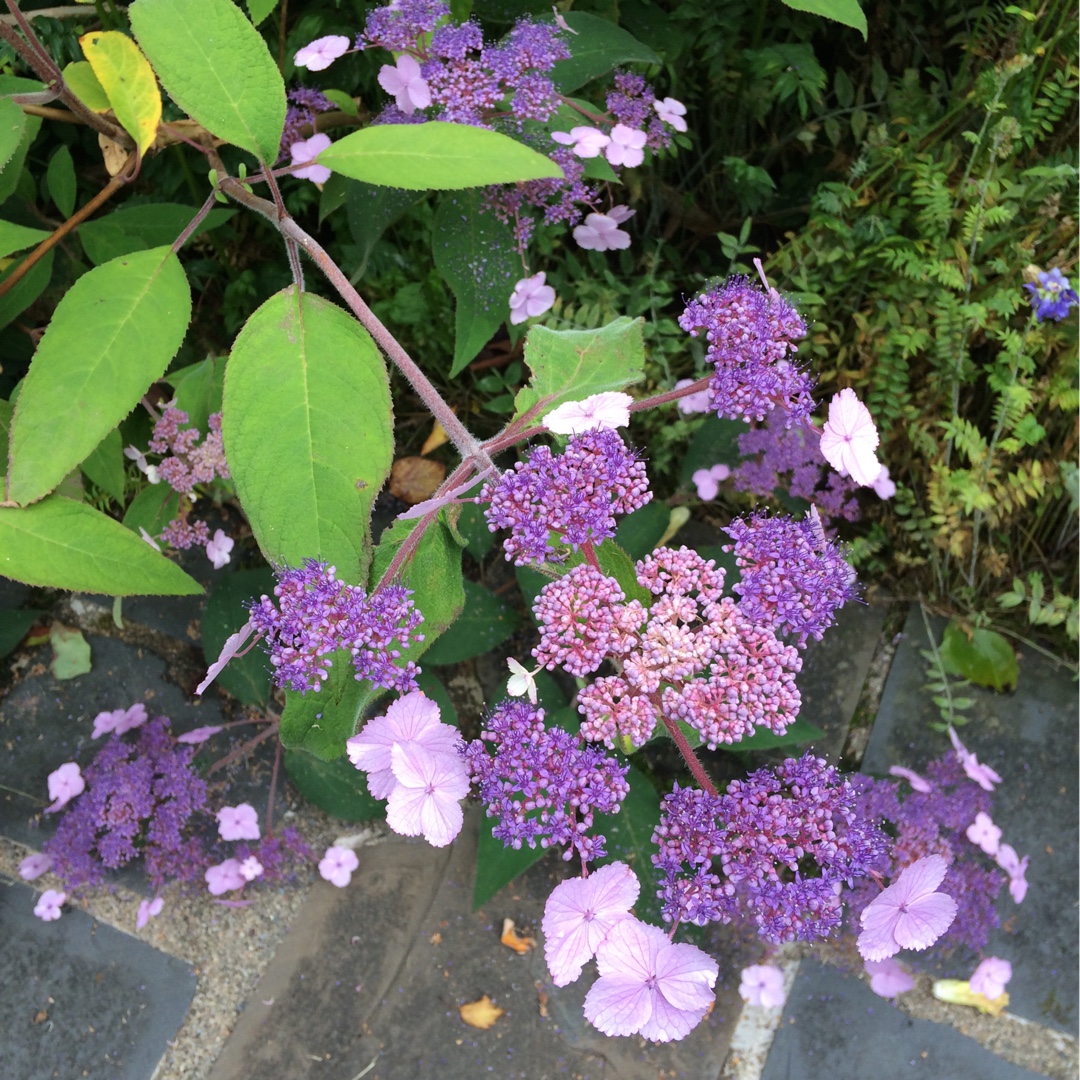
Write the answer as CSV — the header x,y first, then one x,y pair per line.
x,y
308,423
14,626
802,731
320,722
152,509
246,677
598,47
484,623
18,238
105,465
334,786
497,865
6,410
111,336
135,228
12,126
372,210
60,180
472,525
436,156
569,365
198,389
128,81
476,255
847,12
343,101
84,84
433,686
23,293
638,533
259,9
71,653
985,658
715,441
70,545
13,167
216,67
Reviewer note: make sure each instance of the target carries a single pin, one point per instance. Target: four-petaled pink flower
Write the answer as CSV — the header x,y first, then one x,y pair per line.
x,y
984,833
648,985
49,904
337,866
148,909
251,868
990,977
707,481
983,775
698,402
580,912
606,411
238,822
1016,868
849,439
404,81
322,52
586,141
64,784
888,978
627,146
909,914
217,549
531,297
33,866
763,984
307,151
883,487
671,111
198,735
426,801
119,721
913,778
601,232
225,877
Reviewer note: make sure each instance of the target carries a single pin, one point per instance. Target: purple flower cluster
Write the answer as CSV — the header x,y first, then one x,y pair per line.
x,y
792,579
787,841
316,614
304,105
632,103
543,784
934,822
692,655
139,800
1051,296
777,455
566,499
749,335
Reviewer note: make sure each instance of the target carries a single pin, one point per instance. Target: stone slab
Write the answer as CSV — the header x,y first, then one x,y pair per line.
x,y
834,1027
1029,736
80,999
373,976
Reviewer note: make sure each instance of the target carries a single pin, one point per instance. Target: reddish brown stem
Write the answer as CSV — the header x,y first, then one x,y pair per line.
x,y
697,770
671,395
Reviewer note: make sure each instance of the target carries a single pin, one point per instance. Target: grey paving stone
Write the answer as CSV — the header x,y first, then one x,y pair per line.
x,y
375,973
1029,737
835,1027
80,999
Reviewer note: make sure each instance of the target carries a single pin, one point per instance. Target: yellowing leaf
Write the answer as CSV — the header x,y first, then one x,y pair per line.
x,y
959,992
84,84
520,943
114,154
481,1014
436,439
71,653
128,81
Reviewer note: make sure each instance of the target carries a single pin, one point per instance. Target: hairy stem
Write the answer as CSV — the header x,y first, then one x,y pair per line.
x,y
697,770
671,395
194,223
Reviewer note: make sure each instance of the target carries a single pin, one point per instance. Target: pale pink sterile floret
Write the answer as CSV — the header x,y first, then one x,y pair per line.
x,y
322,52
884,487
404,81
587,142
888,977
198,735
49,904
337,865
671,111
251,868
913,778
627,146
148,909
225,877
119,721
531,297
64,784
580,913
426,801
698,402
238,822
983,775
522,681
991,977
984,833
909,914
849,439
33,866
1016,868
601,232
307,150
649,986
233,644
708,481
218,549
762,984
608,410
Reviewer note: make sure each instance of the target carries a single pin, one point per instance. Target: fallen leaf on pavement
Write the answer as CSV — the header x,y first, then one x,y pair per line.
x,y
520,943
481,1014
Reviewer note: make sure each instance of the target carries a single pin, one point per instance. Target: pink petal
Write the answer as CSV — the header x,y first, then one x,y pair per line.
x,y
404,808
685,976
568,953
925,920
913,778
618,1004
233,644
441,818
668,1023
877,941
888,978
920,878
631,949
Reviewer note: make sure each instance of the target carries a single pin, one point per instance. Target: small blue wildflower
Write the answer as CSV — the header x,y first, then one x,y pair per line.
x,y
1051,297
